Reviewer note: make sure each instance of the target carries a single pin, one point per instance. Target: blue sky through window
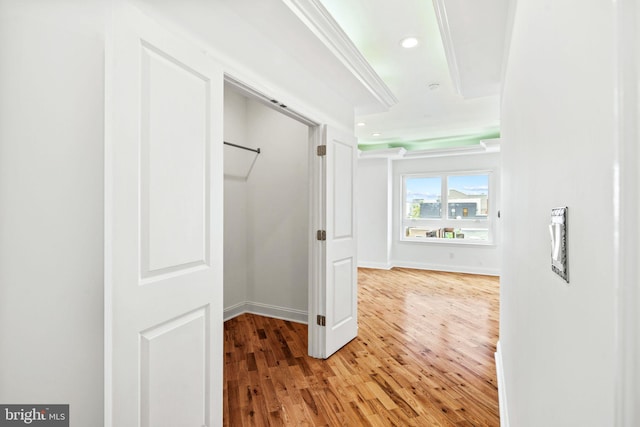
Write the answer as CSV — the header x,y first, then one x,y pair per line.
x,y
469,184
424,188
429,188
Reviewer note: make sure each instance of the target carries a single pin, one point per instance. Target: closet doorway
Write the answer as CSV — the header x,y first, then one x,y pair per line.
x,y
266,209
289,227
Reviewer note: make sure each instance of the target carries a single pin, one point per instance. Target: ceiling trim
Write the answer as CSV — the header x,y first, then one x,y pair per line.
x,y
318,19
487,146
492,144
447,41
390,153
486,139
270,102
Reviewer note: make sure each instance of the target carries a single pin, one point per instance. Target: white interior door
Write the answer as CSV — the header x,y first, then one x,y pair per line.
x,y
338,276
164,229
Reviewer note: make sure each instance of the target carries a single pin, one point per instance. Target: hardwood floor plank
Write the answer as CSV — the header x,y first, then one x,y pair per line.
x,y
423,357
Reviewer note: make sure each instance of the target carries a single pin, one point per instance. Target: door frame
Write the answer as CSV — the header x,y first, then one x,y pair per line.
x,y
626,202
315,209
317,221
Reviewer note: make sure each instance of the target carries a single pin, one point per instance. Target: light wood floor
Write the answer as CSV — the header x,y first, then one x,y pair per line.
x,y
423,357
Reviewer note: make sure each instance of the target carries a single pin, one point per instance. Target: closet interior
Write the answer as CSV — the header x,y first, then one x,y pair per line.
x,y
266,210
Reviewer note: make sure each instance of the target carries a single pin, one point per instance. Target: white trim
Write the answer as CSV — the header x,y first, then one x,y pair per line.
x,y
626,234
376,265
257,95
502,391
486,146
267,310
319,21
317,267
234,311
447,42
491,145
390,153
468,269
447,241
444,152
432,267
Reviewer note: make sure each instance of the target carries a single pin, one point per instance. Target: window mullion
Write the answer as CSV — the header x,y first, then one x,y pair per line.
x,y
444,203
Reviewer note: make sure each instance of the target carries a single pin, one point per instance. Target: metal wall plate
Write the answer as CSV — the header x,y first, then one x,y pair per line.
x,y
558,230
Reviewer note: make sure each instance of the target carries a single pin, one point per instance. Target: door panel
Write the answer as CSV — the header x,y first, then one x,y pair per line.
x,y
341,284
175,352
174,111
342,293
342,155
163,310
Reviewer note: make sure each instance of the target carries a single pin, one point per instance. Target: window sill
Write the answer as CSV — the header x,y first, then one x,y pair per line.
x,y
448,242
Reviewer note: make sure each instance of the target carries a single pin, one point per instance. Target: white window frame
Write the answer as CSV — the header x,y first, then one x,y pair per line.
x,y
444,221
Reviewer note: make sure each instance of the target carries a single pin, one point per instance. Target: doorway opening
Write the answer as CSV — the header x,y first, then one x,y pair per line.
x,y
268,203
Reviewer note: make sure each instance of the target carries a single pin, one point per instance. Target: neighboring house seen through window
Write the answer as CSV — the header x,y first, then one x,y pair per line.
x,y
452,207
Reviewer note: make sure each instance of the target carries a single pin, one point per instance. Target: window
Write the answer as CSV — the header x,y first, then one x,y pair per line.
x,y
451,207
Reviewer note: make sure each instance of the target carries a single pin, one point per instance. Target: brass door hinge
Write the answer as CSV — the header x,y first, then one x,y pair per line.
x,y
321,235
322,150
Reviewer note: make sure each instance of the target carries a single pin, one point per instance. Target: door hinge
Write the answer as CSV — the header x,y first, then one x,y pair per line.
x,y
321,235
322,150
322,320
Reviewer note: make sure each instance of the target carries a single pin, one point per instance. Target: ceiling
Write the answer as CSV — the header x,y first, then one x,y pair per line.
x,y
357,43
460,49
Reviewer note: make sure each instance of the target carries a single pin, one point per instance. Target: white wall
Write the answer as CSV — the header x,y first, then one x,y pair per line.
x,y
237,166
374,213
557,340
279,208
266,212
51,188
51,215
380,215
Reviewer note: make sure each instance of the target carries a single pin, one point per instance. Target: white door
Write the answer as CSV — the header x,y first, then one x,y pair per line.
x,y
163,229
338,276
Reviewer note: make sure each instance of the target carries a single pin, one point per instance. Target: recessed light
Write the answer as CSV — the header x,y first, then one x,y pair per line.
x,y
360,124
409,42
375,134
434,86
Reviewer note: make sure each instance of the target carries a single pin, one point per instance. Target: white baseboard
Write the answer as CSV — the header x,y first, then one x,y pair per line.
x,y
376,265
447,268
502,392
284,313
432,267
234,310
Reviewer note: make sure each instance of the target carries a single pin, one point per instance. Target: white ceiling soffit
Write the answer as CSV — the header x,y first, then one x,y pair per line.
x,y
473,35
267,35
316,17
486,146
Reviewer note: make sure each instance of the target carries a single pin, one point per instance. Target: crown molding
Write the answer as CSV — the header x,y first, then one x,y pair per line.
x,y
318,19
492,144
447,41
390,153
445,152
486,146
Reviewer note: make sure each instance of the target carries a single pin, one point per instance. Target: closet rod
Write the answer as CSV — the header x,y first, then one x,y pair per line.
x,y
255,150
